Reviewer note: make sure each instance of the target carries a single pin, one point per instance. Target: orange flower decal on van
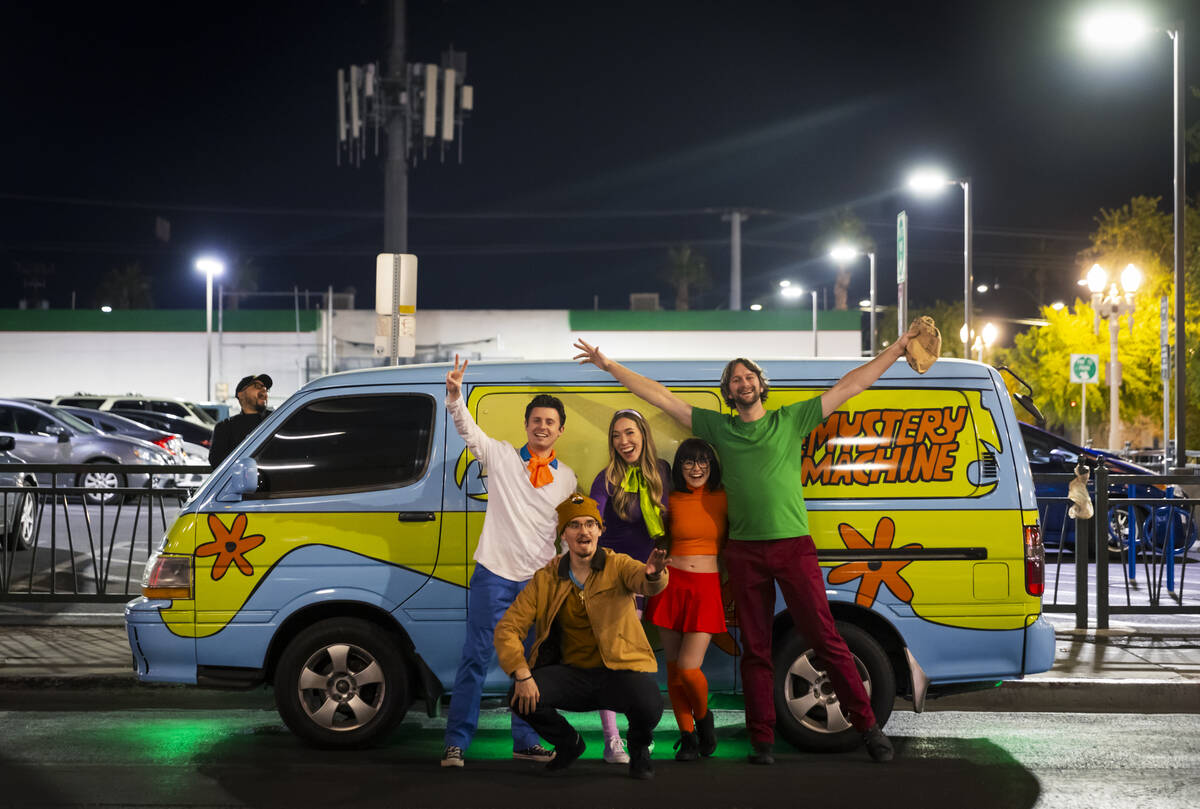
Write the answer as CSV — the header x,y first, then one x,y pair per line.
x,y
229,546
872,574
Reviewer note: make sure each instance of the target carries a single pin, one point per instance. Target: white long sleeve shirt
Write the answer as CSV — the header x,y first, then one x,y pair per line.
x,y
521,523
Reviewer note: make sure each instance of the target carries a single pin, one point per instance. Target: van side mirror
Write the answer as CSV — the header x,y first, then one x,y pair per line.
x,y
242,480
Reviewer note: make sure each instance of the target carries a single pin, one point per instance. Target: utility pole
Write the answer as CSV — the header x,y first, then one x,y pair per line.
x,y
735,220
395,192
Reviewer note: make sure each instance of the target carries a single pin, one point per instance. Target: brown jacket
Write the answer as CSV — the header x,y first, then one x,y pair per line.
x,y
608,599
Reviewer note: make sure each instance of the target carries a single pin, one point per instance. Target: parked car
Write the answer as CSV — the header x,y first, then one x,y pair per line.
x,y
1051,453
189,431
109,422
181,408
48,434
18,510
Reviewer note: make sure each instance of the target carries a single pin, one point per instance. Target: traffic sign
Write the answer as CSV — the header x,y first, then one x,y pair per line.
x,y
1085,368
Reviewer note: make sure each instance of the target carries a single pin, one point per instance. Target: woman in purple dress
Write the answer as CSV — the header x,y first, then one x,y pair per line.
x,y
631,493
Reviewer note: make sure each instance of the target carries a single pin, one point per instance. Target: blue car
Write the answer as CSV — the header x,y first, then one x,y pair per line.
x,y
1054,454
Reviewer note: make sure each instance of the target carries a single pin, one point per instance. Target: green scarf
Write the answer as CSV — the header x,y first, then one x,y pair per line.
x,y
635,481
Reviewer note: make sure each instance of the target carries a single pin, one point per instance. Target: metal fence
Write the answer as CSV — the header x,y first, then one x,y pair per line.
x,y
85,543
1136,550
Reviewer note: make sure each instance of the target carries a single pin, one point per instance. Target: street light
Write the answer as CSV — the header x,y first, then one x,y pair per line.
x,y
1114,304
989,335
843,253
791,291
210,267
929,181
1112,29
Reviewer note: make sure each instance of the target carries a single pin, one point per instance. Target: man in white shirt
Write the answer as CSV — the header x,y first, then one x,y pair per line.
x,y
524,487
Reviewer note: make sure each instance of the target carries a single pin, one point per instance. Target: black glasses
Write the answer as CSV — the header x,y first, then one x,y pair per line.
x,y
695,463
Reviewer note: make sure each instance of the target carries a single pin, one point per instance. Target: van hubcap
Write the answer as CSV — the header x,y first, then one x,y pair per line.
x,y
810,697
341,687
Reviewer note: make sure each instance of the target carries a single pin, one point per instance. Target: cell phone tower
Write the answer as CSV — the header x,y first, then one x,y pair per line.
x,y
421,109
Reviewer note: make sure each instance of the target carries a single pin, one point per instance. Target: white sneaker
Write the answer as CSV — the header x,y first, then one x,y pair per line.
x,y
614,751
452,756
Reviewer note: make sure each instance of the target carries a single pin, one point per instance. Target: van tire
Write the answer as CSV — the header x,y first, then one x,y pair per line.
x,y
797,681
319,685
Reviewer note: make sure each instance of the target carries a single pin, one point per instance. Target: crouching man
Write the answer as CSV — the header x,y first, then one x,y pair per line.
x,y
589,650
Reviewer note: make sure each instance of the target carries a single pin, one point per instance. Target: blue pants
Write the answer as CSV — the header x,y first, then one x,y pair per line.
x,y
490,595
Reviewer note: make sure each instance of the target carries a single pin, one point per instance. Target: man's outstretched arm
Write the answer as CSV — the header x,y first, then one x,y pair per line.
x,y
865,375
647,389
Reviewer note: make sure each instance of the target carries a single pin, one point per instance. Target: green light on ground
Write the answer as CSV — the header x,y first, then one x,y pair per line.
x,y
164,741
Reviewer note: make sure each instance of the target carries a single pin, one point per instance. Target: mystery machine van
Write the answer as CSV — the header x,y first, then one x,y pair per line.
x,y
329,555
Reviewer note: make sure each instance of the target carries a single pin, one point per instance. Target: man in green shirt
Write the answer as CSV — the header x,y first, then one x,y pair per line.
x,y
760,453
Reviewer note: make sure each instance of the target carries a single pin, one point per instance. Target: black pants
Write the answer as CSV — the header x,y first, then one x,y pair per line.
x,y
633,693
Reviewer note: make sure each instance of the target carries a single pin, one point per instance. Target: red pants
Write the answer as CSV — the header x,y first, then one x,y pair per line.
x,y
754,568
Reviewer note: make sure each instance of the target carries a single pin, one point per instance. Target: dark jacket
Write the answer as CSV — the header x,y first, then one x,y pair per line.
x,y
231,432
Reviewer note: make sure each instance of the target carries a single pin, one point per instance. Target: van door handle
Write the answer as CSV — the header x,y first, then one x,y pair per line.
x,y
416,516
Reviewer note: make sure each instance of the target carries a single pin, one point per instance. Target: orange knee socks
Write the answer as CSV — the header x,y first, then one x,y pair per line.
x,y
680,703
688,690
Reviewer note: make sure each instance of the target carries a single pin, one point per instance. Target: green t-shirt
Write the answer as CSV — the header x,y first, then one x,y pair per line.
x,y
760,467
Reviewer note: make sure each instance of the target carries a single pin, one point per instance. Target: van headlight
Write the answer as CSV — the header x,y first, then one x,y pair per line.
x,y
167,576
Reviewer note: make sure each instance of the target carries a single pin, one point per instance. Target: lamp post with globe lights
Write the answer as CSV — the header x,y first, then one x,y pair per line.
x,y
1112,303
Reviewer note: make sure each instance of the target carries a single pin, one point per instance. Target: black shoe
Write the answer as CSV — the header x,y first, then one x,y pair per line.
x,y
640,766
707,731
762,754
688,747
878,745
566,754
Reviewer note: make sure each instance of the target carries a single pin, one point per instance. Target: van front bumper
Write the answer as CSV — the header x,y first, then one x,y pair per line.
x,y
1039,646
159,655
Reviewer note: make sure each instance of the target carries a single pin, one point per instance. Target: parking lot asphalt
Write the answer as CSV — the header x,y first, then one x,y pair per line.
x,y
73,649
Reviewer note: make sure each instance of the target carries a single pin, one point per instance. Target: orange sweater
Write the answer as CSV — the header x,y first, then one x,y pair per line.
x,y
698,522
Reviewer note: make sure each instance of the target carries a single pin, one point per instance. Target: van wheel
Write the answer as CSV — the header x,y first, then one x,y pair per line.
x,y
341,683
807,711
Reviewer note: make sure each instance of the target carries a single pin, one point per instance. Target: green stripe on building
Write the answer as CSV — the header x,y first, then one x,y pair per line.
x,y
162,320
713,320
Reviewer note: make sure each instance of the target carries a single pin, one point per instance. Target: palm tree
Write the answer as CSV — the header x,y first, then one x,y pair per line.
x,y
125,287
686,270
842,226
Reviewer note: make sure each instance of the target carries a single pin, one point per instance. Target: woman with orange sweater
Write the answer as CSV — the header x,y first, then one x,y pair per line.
x,y
690,611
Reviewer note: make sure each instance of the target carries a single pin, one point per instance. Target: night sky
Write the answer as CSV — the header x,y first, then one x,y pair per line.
x,y
603,133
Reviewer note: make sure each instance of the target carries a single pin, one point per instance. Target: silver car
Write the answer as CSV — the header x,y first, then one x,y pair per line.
x,y
47,434
18,509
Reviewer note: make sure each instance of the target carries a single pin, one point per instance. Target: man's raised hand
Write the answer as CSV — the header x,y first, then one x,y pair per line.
x,y
590,353
657,561
454,379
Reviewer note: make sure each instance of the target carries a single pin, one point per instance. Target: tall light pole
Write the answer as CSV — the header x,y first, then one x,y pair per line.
x,y
929,181
210,267
842,253
1111,30
1113,304
791,291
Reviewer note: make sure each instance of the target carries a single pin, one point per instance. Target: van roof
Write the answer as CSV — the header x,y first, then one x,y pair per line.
x,y
704,371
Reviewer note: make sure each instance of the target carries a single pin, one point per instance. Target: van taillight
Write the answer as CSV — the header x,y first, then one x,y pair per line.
x,y
167,576
1035,561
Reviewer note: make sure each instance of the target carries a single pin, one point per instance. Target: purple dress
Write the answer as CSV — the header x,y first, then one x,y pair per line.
x,y
628,536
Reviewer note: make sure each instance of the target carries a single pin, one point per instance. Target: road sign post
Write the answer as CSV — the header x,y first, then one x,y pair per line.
x,y
1084,369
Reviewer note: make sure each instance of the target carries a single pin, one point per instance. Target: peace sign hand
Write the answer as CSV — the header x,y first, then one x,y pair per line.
x,y
590,353
454,380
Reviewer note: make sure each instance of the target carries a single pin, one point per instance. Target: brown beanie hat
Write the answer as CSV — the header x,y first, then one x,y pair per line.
x,y
577,506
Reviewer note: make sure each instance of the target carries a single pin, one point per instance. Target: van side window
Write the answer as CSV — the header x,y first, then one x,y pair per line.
x,y
348,443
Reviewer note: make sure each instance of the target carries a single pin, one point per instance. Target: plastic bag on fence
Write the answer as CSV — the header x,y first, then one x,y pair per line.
x,y
1077,493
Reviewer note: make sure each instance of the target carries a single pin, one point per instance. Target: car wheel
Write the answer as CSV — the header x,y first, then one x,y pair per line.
x,y
1118,529
20,534
341,683
807,711
99,480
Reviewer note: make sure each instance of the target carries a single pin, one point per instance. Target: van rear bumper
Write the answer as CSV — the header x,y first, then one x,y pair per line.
x,y
159,655
1039,646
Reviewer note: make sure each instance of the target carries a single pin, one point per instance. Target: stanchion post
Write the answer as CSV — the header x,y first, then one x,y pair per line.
x,y
1100,534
